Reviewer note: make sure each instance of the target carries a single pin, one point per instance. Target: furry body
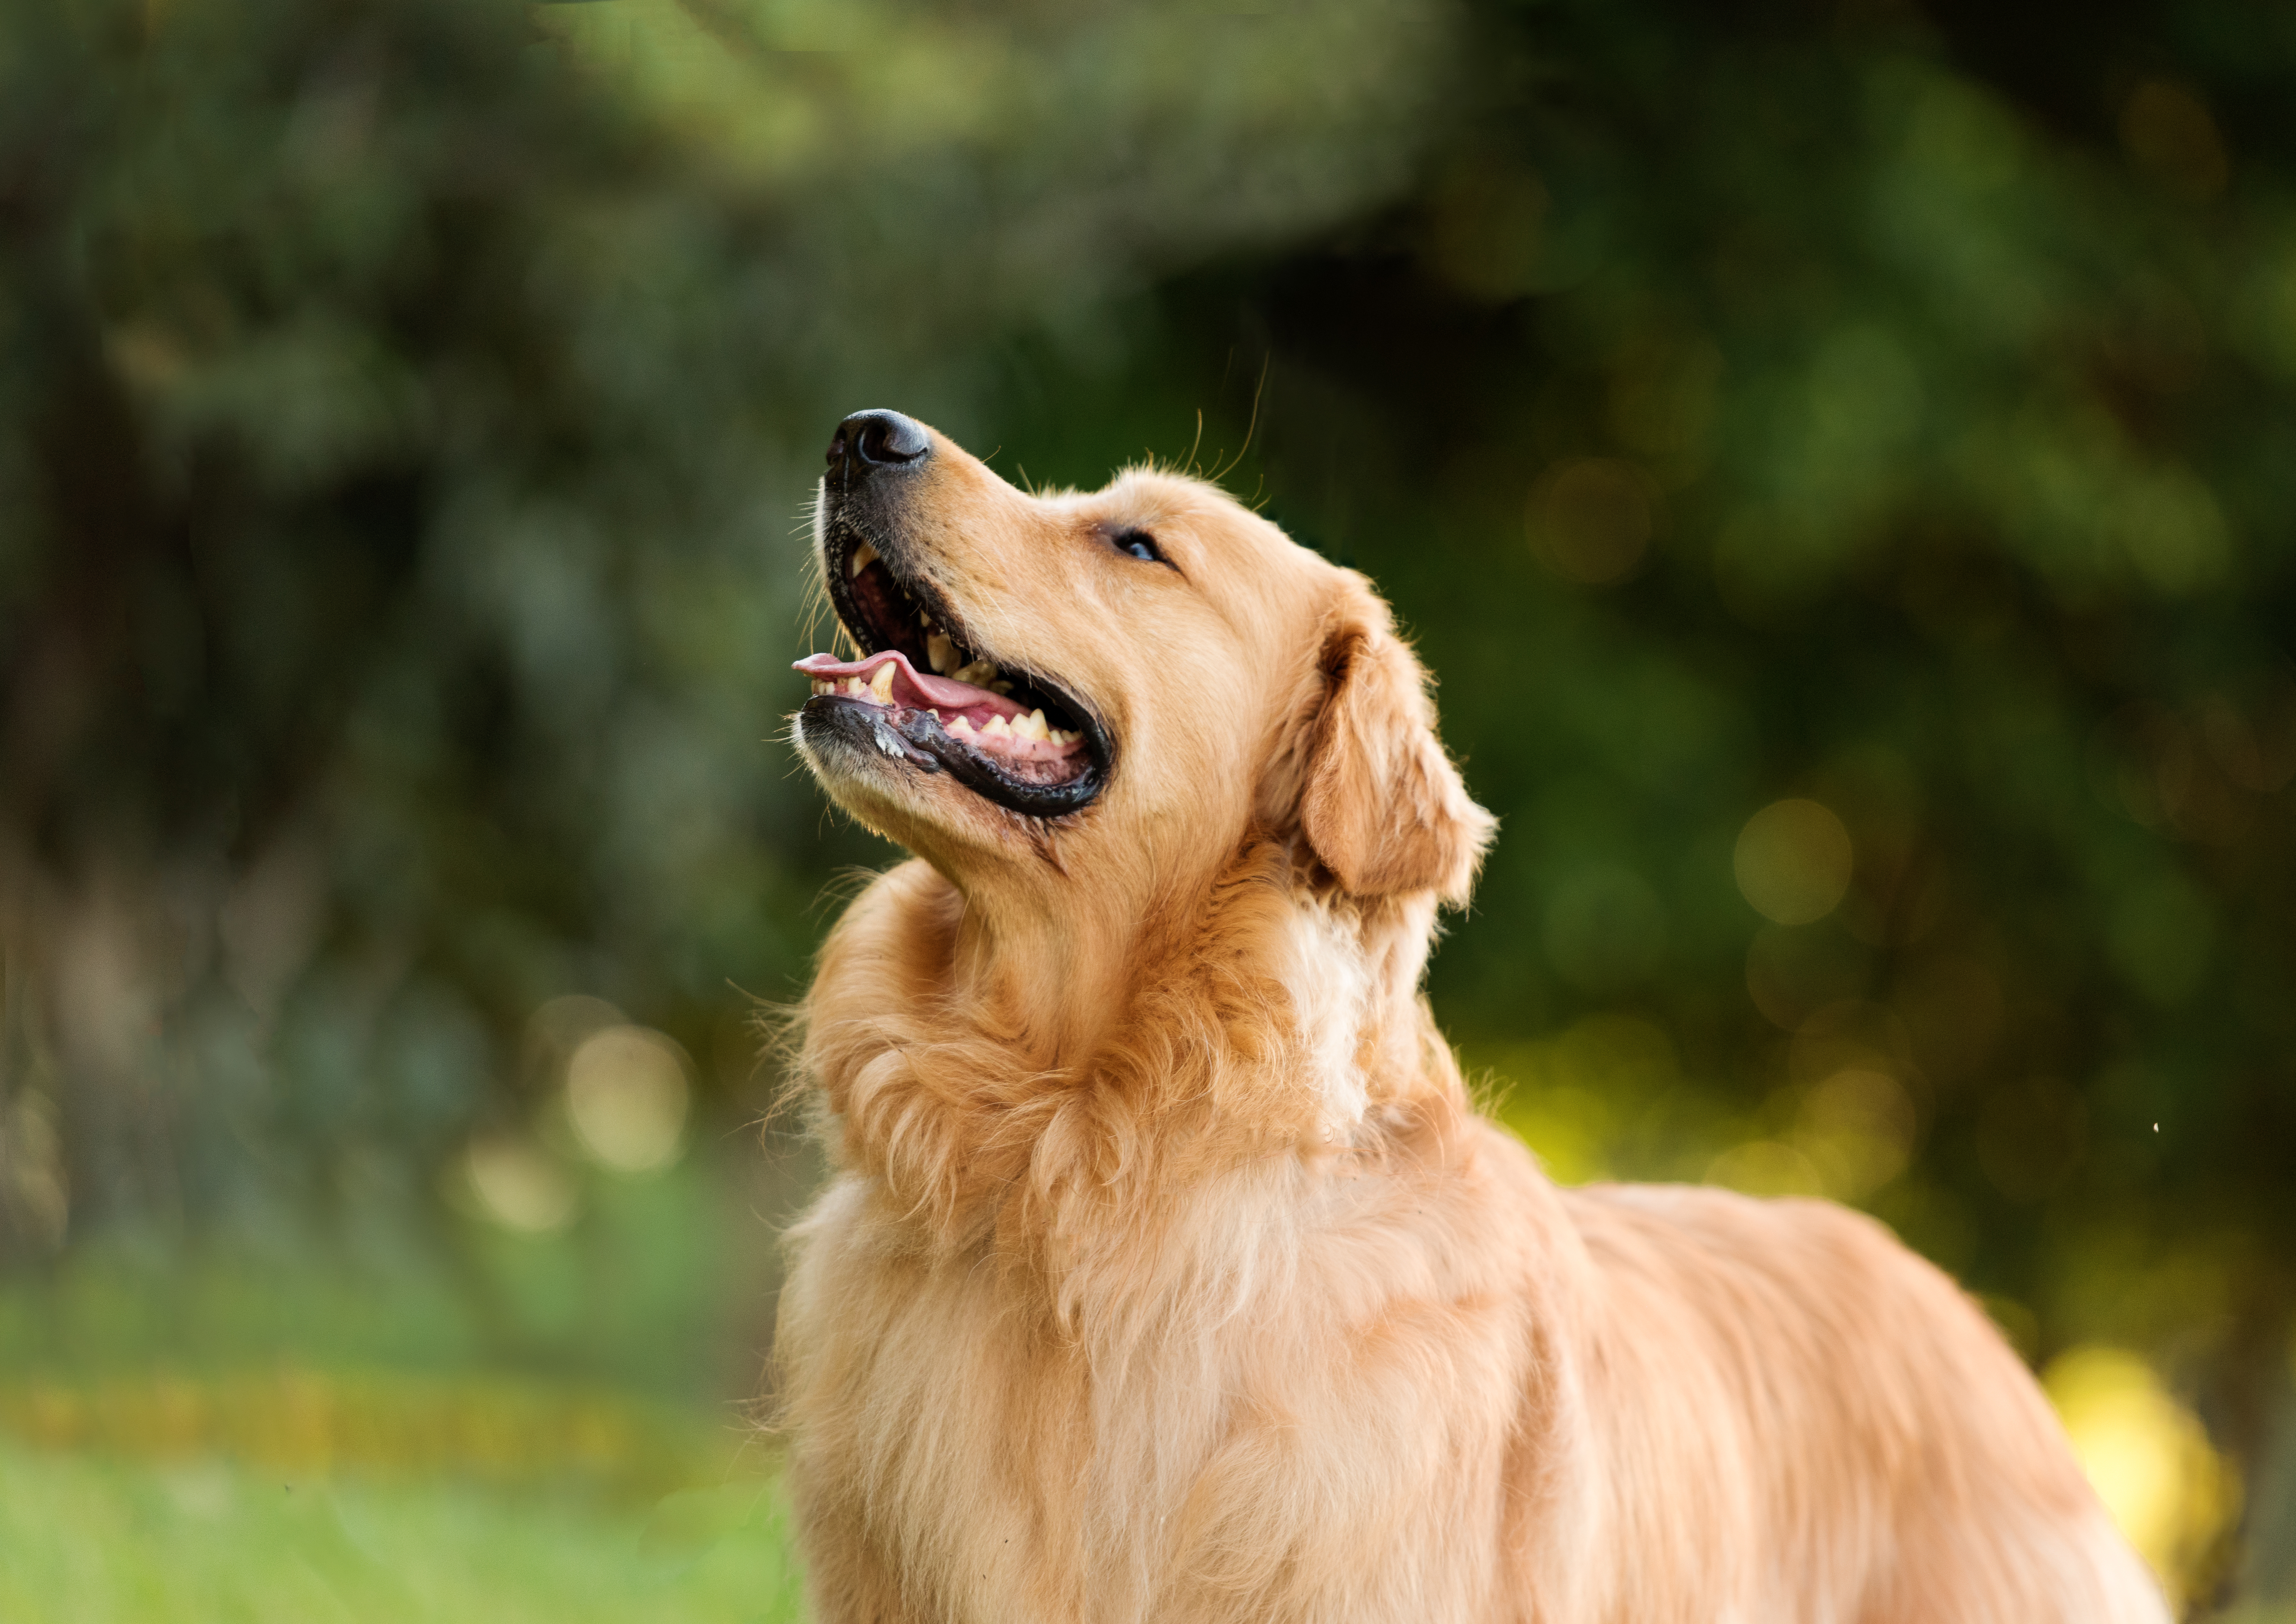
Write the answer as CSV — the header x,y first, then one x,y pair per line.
x,y
1167,1272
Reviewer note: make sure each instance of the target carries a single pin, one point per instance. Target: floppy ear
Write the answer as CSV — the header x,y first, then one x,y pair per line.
x,y
1383,807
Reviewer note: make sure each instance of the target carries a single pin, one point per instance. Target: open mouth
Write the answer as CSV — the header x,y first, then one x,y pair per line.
x,y
924,695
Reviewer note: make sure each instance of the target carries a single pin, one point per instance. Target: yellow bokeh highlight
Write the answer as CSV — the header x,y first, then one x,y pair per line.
x,y
1858,1126
1765,1167
2148,1458
1572,1096
628,1093
518,1184
1794,862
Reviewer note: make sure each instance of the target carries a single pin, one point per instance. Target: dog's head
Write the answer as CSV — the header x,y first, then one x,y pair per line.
x,y
1101,690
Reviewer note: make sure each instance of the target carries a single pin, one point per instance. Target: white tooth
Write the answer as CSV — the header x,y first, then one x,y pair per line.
x,y
881,685
824,687
1062,735
961,729
1031,727
941,653
997,728
854,685
859,559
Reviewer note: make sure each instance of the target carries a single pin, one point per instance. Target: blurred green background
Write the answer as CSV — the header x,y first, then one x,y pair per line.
x,y
1838,458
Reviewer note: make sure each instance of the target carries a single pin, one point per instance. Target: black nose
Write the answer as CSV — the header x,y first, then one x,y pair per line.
x,y
867,441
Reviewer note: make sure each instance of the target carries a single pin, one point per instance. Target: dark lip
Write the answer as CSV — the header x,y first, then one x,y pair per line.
x,y
917,735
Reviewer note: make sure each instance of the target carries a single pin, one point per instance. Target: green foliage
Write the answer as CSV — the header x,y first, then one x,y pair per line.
x,y
405,418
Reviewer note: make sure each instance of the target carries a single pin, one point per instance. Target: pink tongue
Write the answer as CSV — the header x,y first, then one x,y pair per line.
x,y
911,688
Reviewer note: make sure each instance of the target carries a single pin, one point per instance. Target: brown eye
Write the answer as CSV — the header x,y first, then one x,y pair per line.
x,y
1141,546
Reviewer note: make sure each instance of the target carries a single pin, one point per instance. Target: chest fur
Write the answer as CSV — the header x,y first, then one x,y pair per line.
x,y
1285,1407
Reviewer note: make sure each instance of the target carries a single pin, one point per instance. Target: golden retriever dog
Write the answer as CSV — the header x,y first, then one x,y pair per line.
x,y
1167,1272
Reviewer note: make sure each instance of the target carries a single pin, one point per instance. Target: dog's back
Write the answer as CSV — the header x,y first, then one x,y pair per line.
x,y
1793,1409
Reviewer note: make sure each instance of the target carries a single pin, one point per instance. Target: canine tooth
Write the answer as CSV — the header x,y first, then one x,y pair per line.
x,y
941,653
961,729
997,728
1031,727
881,685
861,558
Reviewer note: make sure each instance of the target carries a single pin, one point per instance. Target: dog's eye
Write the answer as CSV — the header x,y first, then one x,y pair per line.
x,y
1141,546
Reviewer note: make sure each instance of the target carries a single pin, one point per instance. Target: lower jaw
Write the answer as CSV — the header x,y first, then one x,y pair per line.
x,y
913,738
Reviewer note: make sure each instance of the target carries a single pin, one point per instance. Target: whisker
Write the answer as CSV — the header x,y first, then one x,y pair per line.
x,y
1252,426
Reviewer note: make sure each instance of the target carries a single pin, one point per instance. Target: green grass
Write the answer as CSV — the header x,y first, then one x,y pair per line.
x,y
94,1539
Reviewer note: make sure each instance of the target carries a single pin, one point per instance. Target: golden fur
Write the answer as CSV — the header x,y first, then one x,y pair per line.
x,y
1167,1272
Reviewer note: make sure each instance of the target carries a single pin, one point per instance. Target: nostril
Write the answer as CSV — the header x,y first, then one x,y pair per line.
x,y
877,439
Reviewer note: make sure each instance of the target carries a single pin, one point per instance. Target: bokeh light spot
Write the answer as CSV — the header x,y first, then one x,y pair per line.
x,y
627,1094
1857,1128
519,1186
1793,861
1575,1098
2174,532
2147,1457
1865,394
2172,136
34,1180
1765,1167
1662,395
2162,936
1590,520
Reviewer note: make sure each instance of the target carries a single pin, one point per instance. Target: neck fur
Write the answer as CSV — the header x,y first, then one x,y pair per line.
x,y
1010,1085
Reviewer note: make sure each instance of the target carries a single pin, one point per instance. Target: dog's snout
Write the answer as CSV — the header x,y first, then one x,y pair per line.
x,y
867,441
